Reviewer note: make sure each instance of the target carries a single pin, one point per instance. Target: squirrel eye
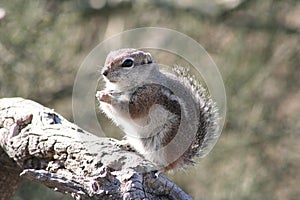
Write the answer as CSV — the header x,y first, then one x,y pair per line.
x,y
127,63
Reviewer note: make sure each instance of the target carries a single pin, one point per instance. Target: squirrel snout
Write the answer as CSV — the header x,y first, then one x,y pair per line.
x,y
105,72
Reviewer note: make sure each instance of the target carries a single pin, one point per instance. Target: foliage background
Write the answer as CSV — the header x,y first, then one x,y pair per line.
x,y
255,44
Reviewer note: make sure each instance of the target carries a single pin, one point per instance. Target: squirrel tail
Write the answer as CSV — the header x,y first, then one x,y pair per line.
x,y
208,121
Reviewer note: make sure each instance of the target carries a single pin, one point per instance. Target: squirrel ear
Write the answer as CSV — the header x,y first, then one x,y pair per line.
x,y
148,58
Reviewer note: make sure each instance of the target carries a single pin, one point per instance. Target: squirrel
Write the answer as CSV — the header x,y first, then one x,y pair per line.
x,y
167,117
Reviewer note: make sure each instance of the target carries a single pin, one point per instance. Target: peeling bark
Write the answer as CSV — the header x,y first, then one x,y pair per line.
x,y
39,144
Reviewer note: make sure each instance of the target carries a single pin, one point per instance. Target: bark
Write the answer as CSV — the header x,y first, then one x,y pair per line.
x,y
39,144
9,176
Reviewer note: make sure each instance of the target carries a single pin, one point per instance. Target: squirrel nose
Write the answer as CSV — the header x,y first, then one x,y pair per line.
x,y
105,72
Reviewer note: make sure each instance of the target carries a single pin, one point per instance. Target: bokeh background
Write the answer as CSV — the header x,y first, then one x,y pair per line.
x,y
256,45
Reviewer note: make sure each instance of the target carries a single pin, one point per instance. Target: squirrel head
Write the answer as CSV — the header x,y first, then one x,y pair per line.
x,y
128,67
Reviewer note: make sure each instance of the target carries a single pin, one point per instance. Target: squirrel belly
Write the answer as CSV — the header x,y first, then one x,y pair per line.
x,y
168,118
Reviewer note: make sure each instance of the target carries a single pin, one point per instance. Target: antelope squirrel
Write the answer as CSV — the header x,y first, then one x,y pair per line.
x,y
167,117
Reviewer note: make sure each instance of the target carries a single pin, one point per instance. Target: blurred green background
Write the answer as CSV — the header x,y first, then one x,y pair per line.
x,y
255,44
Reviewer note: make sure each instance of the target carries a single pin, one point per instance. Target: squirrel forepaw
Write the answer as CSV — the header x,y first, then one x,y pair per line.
x,y
104,96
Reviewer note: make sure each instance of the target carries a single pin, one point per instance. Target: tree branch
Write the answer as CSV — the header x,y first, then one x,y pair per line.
x,y
46,148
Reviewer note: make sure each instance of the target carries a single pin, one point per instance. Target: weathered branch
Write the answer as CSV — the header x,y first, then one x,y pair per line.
x,y
39,144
